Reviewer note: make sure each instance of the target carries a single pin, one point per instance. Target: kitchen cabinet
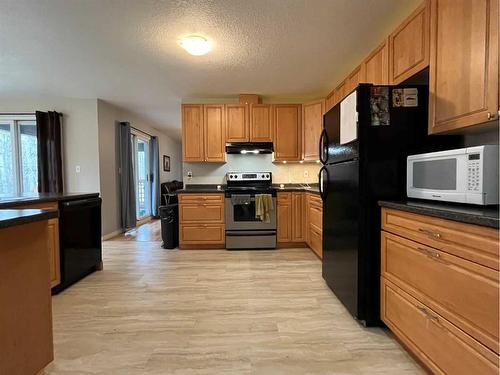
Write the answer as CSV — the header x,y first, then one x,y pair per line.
x,y
298,217
284,217
463,64
329,101
287,132
314,223
339,93
237,123
376,65
201,221
261,123
214,132
312,125
409,45
456,305
356,77
192,133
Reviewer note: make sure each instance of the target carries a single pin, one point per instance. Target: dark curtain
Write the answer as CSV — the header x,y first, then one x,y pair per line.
x,y
50,174
127,183
155,177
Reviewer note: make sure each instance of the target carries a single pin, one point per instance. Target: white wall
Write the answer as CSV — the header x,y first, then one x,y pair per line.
x,y
108,117
214,173
80,136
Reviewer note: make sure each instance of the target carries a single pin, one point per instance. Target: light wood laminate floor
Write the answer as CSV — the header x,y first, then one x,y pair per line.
x,y
156,311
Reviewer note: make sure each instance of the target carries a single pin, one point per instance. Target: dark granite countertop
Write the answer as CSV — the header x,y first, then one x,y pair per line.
x,y
10,218
314,188
486,216
201,188
42,197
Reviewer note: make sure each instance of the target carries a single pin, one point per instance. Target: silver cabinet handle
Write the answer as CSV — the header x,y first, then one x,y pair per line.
x,y
430,233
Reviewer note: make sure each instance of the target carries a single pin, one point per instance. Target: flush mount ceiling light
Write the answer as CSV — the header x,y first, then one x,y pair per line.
x,y
195,45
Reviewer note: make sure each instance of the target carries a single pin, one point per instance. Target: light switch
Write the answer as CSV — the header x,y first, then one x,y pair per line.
x,y
77,169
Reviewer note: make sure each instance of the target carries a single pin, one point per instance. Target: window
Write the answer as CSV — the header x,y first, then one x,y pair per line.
x,y
18,156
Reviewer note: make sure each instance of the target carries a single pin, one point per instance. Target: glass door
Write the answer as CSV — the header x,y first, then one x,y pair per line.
x,y
141,174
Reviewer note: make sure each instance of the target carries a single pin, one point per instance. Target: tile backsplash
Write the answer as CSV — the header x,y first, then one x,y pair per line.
x,y
214,173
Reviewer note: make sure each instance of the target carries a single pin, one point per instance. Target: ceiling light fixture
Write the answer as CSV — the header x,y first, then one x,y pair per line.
x,y
195,45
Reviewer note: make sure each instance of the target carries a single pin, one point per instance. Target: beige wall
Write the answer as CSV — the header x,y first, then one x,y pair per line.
x,y
108,116
214,173
80,136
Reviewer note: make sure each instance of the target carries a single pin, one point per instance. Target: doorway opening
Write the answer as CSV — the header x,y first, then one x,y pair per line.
x,y
142,174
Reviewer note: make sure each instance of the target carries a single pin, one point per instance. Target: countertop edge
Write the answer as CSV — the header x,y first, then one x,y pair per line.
x,y
27,218
448,214
6,204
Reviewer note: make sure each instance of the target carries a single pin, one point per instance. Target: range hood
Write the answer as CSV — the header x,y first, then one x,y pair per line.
x,y
250,148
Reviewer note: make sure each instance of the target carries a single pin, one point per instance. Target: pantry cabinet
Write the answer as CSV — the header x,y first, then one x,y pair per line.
x,y
287,132
409,45
261,122
237,124
312,125
463,64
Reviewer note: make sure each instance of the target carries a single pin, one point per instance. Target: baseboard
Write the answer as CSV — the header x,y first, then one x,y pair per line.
x,y
112,234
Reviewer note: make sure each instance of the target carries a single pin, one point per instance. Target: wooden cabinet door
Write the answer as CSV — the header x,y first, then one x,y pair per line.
x,y
409,45
53,246
356,77
339,93
330,101
287,132
284,217
192,132
214,132
237,126
376,65
298,217
261,123
463,64
313,125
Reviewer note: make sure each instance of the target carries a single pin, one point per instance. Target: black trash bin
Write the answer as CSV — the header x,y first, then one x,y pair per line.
x,y
169,216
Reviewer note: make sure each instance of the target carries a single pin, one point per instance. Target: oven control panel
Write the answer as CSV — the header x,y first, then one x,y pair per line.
x,y
249,176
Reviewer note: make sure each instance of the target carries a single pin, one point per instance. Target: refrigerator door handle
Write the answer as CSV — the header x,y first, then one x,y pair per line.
x,y
322,193
323,139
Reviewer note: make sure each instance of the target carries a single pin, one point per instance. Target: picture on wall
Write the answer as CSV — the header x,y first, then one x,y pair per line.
x,y
166,163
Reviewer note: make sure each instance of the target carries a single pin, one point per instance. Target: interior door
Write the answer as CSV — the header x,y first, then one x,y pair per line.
x,y
141,175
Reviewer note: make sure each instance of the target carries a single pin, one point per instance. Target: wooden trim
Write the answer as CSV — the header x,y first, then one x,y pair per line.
x,y
201,247
281,245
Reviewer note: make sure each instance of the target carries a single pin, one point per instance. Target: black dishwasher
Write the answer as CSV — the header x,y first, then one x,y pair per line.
x,y
79,239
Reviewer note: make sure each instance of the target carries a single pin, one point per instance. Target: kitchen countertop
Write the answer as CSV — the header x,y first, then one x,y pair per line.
x,y
42,197
314,188
212,188
10,218
486,216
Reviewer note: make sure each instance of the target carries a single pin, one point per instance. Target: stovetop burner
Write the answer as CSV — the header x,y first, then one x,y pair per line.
x,y
249,183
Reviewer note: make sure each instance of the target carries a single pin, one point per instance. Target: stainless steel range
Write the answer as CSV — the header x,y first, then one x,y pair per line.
x,y
243,229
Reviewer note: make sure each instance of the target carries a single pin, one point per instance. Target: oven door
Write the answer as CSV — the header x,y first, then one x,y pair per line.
x,y
438,176
240,214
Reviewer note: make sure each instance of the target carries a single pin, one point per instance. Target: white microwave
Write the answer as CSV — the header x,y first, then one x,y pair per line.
x,y
465,175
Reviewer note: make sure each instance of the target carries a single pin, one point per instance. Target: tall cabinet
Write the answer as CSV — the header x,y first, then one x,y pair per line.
x,y
463,64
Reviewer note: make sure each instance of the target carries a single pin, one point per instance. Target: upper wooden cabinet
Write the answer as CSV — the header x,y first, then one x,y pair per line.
x,y
339,93
356,77
287,132
192,132
376,67
261,123
409,45
329,101
312,123
237,124
203,133
214,132
463,64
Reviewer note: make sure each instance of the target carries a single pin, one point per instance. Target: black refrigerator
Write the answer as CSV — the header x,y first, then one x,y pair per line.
x,y
363,148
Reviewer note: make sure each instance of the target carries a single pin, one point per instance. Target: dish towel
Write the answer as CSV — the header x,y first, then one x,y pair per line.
x,y
263,205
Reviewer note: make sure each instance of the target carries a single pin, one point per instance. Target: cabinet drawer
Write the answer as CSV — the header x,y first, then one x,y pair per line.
x,y
475,243
463,292
202,234
201,213
316,240
316,216
201,198
439,344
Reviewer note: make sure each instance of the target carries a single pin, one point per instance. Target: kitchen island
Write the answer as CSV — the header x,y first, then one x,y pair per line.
x,y
26,311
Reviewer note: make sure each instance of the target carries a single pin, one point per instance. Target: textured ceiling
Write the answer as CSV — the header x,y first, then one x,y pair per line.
x,y
126,51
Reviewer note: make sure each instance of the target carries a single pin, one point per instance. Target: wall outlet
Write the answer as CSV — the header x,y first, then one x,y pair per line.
x,y
306,173
189,175
77,169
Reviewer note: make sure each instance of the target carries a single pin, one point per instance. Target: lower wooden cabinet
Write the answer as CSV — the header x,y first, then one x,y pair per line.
x,y
201,221
443,304
314,220
284,218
